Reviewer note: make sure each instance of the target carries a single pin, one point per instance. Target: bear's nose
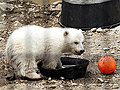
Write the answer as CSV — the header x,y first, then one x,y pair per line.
x,y
82,51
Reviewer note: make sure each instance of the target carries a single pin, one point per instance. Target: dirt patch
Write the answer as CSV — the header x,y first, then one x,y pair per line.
x,y
97,43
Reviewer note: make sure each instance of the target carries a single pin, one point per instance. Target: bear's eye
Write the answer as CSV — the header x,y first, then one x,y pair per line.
x,y
76,43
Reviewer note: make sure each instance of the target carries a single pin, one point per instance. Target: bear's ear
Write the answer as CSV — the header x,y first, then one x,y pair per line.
x,y
66,33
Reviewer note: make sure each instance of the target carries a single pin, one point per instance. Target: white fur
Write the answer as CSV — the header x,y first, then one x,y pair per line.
x,y
29,44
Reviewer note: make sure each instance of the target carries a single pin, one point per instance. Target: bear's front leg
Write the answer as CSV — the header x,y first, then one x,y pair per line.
x,y
52,62
59,65
49,64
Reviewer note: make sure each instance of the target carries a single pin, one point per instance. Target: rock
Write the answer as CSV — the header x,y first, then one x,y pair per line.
x,y
74,84
16,23
106,49
13,19
30,9
6,0
90,34
49,78
54,81
58,15
53,86
106,81
112,52
1,39
110,85
81,85
61,86
6,7
43,82
117,76
106,30
10,0
16,82
62,78
93,30
57,2
118,41
3,17
100,30
115,86
56,6
0,54
100,80
118,49
113,77
21,15
112,47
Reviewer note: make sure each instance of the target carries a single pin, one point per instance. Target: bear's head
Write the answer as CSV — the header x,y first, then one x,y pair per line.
x,y
74,41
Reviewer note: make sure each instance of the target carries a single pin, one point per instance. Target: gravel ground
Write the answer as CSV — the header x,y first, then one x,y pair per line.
x,y
98,42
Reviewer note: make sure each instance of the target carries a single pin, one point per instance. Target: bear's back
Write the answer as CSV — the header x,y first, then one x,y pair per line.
x,y
35,38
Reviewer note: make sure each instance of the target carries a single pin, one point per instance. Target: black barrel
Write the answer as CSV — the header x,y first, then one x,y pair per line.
x,y
86,16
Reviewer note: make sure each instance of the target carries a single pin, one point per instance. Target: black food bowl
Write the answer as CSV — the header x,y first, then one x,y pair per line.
x,y
77,68
86,16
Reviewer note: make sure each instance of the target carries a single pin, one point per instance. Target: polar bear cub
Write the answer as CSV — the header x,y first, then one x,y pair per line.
x,y
30,44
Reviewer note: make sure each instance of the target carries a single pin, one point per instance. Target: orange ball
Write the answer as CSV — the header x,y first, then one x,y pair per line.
x,y
107,64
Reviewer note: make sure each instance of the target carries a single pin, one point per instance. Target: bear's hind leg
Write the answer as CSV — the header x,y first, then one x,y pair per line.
x,y
27,67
